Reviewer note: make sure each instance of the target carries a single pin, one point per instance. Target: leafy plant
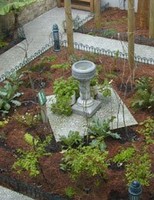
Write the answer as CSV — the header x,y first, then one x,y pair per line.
x,y
48,58
124,155
3,122
148,130
139,168
144,96
85,161
105,88
102,128
99,130
3,43
8,95
28,160
109,33
63,90
70,192
73,139
28,119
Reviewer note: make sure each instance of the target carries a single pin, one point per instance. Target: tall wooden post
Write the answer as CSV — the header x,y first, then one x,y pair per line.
x,y
97,12
131,26
69,26
151,20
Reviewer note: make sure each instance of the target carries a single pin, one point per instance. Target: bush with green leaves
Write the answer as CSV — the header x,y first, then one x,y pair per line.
x,y
98,130
72,140
85,161
28,119
144,95
148,130
124,155
29,160
63,90
9,93
139,168
70,192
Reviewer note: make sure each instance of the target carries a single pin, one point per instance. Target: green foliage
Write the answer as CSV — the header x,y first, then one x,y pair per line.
x,y
70,192
48,58
105,88
148,130
144,96
3,43
8,94
28,119
109,33
3,122
63,66
73,140
28,160
13,5
102,128
124,155
85,161
99,130
63,90
139,168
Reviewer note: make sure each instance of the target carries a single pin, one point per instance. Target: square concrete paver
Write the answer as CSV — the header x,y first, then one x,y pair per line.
x,y
111,106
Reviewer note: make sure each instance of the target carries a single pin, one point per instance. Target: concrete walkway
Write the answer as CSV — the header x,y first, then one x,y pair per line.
x,y
38,34
6,194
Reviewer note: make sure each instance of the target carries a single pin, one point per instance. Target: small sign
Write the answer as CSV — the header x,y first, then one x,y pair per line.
x,y
42,98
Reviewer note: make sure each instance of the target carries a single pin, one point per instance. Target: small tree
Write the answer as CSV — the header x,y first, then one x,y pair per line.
x,y
97,10
151,20
131,26
69,26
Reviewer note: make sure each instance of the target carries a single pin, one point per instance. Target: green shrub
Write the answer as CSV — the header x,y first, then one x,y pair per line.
x,y
139,168
28,160
148,130
73,139
124,155
85,161
144,95
70,192
63,90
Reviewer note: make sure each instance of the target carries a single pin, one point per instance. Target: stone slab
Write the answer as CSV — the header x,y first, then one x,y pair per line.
x,y
111,106
6,194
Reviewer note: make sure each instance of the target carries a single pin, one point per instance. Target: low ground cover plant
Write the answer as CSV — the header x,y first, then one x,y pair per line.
x,y
29,160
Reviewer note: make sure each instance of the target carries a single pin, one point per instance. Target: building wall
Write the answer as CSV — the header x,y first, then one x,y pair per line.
x,y
122,4
27,14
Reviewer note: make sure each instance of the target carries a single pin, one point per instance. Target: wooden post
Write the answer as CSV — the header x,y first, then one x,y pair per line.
x,y
131,26
69,26
97,12
58,3
151,20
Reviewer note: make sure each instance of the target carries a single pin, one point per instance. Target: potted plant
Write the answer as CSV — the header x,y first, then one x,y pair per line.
x,y
65,91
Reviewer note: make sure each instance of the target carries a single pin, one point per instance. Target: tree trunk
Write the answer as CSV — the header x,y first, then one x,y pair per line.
x,y
131,26
143,13
97,10
69,26
151,20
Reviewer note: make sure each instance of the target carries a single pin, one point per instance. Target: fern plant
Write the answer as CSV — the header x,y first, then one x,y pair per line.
x,y
144,96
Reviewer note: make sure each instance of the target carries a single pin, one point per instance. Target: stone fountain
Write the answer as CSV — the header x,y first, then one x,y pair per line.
x,y
84,71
